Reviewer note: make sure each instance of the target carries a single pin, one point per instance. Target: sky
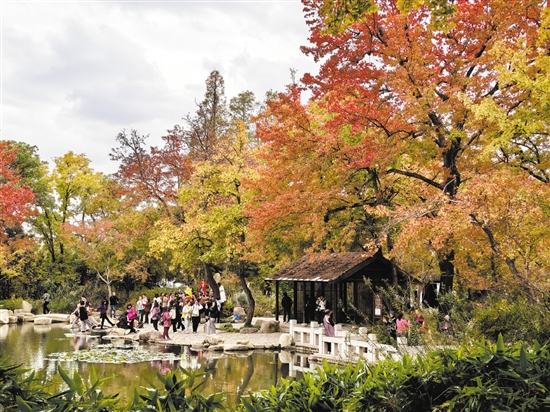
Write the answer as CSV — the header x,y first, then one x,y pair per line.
x,y
76,73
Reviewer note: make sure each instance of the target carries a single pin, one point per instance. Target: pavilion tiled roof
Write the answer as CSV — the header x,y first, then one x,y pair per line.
x,y
321,267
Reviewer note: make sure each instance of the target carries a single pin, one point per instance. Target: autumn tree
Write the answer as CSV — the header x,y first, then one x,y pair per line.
x,y
17,203
151,176
394,97
16,198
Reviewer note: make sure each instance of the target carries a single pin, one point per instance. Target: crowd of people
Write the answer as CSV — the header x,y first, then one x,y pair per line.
x,y
176,311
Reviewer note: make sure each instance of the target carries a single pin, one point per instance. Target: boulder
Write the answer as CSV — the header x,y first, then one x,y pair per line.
x,y
286,340
242,342
26,306
42,320
118,332
216,348
248,330
270,326
59,317
14,319
259,322
268,314
4,316
213,340
149,335
237,310
198,346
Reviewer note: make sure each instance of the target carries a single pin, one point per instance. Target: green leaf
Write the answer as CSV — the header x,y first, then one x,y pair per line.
x,y
523,360
23,406
500,344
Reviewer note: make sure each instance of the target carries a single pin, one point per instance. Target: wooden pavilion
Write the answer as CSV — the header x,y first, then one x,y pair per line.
x,y
340,278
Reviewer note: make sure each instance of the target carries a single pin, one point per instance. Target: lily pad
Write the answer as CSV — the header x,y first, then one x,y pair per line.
x,y
112,354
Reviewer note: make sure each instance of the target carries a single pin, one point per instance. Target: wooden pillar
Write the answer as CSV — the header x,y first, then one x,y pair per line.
x,y
277,312
295,300
304,293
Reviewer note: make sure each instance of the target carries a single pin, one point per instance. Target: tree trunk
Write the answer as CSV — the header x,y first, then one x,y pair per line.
x,y
249,297
211,281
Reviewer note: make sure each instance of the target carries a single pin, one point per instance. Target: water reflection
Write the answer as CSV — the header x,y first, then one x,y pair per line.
x,y
236,374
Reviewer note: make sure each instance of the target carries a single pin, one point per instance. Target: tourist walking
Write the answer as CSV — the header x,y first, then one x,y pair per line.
x,y
131,315
402,325
102,308
213,313
287,304
83,316
166,321
113,303
155,315
196,308
328,323
45,303
186,315
321,306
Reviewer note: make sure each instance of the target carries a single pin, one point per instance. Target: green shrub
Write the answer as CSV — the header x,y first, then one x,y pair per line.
x,y
480,377
516,318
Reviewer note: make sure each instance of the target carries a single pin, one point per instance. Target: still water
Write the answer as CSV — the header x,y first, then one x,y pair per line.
x,y
235,374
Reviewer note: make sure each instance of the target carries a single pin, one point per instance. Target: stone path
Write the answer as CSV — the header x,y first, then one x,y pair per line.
x,y
258,340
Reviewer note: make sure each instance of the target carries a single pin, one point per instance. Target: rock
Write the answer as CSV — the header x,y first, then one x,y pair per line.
x,y
213,340
42,320
149,335
197,347
248,330
216,348
59,317
259,322
239,311
242,342
26,306
4,316
285,340
268,314
270,326
118,332
14,319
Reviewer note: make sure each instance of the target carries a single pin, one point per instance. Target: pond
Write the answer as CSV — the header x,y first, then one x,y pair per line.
x,y
44,348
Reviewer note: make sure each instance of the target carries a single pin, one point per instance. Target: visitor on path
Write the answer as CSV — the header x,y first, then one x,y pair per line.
x,y
287,304
186,315
307,309
83,316
179,310
155,315
166,320
146,310
213,313
391,325
328,323
102,308
45,303
139,309
419,319
196,308
321,306
124,323
173,315
221,301
113,304
131,315
76,314
402,325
